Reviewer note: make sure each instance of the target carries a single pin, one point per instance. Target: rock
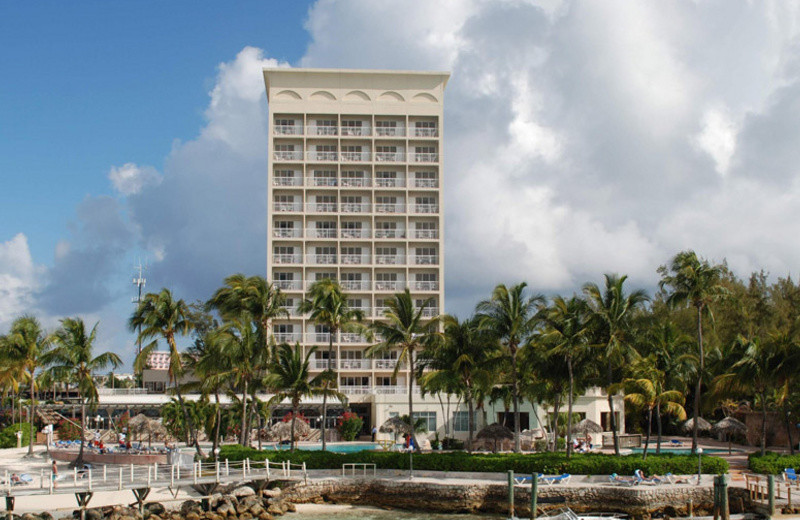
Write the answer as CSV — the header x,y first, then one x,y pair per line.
x,y
243,491
213,516
192,516
245,516
226,509
155,508
272,493
256,509
265,516
290,507
127,518
215,500
248,501
29,516
274,509
191,506
45,516
153,517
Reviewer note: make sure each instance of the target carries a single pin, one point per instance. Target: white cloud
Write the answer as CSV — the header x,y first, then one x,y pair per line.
x,y
18,279
130,179
718,138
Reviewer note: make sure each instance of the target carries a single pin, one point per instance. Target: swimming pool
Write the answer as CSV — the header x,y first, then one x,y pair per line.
x,y
344,447
681,451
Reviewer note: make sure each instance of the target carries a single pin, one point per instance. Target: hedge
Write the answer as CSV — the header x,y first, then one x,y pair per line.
x,y
772,463
8,437
548,463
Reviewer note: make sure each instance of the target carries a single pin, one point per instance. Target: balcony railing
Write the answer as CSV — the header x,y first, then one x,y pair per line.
x,y
288,285
309,283
287,259
389,259
395,390
323,181
288,155
388,286
322,130
322,364
355,233
321,259
390,233
322,156
355,156
385,364
389,208
287,233
380,311
288,129
426,233
288,337
424,157
355,259
356,364
356,285
287,206
319,337
424,259
355,207
390,182
389,157
349,337
426,183
425,286
355,182
390,131
287,181
322,207
425,132
356,131
430,312
355,390
424,208
321,233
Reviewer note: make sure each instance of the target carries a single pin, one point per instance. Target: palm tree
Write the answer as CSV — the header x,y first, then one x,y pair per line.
x,y
512,316
612,310
328,306
406,330
567,330
694,281
25,348
464,361
160,315
73,355
289,379
252,295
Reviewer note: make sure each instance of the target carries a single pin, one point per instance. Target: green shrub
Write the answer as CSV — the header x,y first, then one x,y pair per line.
x,y
349,425
548,463
772,463
450,443
8,437
68,431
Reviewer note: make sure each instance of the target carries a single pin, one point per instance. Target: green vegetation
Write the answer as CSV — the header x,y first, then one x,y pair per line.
x,y
8,435
772,463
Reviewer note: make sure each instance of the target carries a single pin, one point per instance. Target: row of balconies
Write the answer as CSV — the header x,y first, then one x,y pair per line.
x,y
324,338
353,207
369,312
345,259
391,157
422,234
357,131
363,285
378,389
349,182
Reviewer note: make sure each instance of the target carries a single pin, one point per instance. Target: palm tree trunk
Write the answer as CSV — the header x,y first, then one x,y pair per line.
x,y
788,427
30,417
79,461
763,423
695,428
411,400
658,426
649,430
294,419
612,419
242,434
323,429
556,409
217,426
569,407
515,396
470,422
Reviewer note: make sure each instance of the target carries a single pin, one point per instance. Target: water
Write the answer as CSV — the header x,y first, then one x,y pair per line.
x,y
681,451
349,447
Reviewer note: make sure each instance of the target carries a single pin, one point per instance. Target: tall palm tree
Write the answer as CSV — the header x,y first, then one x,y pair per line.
x,y
512,316
567,330
25,348
74,355
288,378
328,306
613,310
407,330
252,295
464,361
160,315
694,281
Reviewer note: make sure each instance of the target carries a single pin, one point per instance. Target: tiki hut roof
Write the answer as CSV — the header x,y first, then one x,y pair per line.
x,y
283,430
702,425
587,426
730,425
394,425
495,431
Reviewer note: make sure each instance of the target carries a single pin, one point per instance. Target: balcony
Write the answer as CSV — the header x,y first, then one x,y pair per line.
x,y
285,207
390,131
389,208
288,285
380,313
390,233
430,312
288,337
425,286
288,155
395,390
287,233
355,182
349,337
356,131
322,207
287,181
323,181
424,208
355,285
322,156
293,312
355,156
322,364
287,129
424,259
389,157
424,157
389,183
355,390
321,259
322,130
425,132
287,259
319,337
320,233
426,233
355,207
388,286
355,259
426,183
309,283
385,364
355,233
389,259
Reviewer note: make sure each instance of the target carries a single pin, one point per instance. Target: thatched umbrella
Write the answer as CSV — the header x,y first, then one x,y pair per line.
x,y
495,431
394,425
139,424
729,426
702,425
587,426
283,429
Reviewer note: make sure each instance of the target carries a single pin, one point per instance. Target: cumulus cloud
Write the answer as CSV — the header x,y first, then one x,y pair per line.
x,y
18,279
130,179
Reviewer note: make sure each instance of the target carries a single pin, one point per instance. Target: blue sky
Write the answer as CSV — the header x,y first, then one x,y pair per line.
x,y
581,138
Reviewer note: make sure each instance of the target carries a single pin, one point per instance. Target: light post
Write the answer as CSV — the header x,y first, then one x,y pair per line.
x,y
699,464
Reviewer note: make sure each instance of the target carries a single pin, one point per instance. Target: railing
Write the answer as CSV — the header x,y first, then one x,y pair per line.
x,y
355,364
356,131
390,131
322,130
380,311
389,259
426,233
322,207
288,155
355,390
355,207
388,286
121,391
389,208
425,132
355,259
395,390
287,259
322,156
426,183
287,206
390,233
355,285
322,181
385,364
389,156
321,233
288,337
782,492
355,233
288,285
425,286
319,337
351,337
322,364
355,182
321,259
355,156
287,233
424,157
384,182
424,259
287,181
430,312
424,208
288,129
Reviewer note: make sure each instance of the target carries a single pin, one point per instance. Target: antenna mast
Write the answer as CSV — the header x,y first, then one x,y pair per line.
x,y
139,281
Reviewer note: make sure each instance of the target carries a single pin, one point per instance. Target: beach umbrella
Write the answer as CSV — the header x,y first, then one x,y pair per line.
x,y
495,431
728,427
283,429
394,425
702,425
587,426
138,424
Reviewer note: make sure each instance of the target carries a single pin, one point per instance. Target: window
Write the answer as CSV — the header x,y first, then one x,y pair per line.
x,y
324,177
354,381
429,418
425,179
324,276
461,421
352,127
284,147
386,179
326,203
352,204
351,153
283,328
387,230
425,256
284,228
425,154
286,127
425,128
351,251
386,381
386,153
281,276
351,354
351,229
326,127
385,204
326,255
427,277
283,178
351,277
354,178
384,128
325,152
284,224
284,250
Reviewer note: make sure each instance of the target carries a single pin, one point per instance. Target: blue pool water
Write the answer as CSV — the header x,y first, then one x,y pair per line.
x,y
349,447
677,451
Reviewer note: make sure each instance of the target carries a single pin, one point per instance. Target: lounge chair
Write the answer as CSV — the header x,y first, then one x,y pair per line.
x,y
623,481
676,443
650,481
789,475
24,480
547,480
677,479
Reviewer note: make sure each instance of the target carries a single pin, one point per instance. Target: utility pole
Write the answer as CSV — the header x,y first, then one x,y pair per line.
x,y
139,281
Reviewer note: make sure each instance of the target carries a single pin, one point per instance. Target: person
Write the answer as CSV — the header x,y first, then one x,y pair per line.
x,y
54,473
15,479
407,440
589,440
374,433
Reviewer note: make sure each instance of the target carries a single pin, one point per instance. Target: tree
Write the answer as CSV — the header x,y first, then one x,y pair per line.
x,y
160,315
406,330
288,378
693,281
328,306
25,348
252,295
567,329
463,361
613,311
74,355
512,316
